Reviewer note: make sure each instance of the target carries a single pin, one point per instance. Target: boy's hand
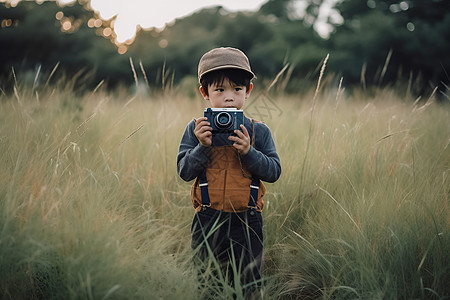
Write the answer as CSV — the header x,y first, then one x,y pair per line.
x,y
203,131
241,141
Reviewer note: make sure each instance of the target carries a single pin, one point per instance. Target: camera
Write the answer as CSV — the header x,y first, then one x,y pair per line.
x,y
224,119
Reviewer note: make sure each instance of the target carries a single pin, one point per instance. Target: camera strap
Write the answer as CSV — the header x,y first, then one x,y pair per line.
x,y
254,186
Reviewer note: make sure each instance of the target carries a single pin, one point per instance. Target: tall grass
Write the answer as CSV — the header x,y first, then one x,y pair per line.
x,y
91,205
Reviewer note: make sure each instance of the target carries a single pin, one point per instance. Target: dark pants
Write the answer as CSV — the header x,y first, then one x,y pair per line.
x,y
236,242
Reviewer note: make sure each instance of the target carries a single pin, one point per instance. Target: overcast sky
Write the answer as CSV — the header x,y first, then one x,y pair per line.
x,y
156,13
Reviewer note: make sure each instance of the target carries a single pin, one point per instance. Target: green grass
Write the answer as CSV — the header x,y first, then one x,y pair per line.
x,y
91,206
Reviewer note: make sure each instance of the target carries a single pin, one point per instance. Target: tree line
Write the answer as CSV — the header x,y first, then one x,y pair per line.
x,y
374,42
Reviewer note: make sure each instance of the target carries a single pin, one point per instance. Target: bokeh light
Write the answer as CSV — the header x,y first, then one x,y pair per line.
x,y
66,24
6,23
59,15
163,43
98,23
107,31
13,3
122,49
91,23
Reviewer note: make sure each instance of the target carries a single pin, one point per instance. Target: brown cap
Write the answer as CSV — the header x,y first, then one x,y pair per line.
x,y
224,58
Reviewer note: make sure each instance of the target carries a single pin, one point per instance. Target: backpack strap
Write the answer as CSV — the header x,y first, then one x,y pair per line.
x,y
254,189
204,190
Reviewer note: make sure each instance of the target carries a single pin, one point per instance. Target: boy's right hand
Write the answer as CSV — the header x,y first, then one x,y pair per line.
x,y
203,131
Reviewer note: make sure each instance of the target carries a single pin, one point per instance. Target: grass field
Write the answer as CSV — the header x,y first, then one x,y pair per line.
x,y
91,206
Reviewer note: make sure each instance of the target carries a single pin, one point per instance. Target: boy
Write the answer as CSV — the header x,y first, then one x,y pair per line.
x,y
227,194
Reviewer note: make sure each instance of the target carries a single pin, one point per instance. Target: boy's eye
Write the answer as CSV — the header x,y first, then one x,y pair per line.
x,y
238,89
219,90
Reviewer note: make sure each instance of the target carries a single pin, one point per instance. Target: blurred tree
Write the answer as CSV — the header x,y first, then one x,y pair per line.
x,y
269,41
278,8
415,32
378,41
46,34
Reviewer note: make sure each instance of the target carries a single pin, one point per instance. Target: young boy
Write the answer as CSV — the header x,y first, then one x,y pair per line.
x,y
228,193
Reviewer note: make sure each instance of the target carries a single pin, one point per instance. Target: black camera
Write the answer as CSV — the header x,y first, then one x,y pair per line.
x,y
224,119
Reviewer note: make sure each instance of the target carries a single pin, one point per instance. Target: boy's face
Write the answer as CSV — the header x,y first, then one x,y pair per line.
x,y
226,94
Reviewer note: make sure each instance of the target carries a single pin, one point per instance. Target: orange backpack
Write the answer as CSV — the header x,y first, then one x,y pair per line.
x,y
226,184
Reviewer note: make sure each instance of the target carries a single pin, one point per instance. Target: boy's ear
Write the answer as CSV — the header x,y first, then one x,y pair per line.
x,y
250,88
202,91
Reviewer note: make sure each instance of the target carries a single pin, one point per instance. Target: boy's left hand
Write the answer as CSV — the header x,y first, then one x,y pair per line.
x,y
241,140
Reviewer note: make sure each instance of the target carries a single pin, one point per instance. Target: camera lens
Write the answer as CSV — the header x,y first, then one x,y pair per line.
x,y
222,120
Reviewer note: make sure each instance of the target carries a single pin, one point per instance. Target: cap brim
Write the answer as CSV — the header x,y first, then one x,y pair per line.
x,y
227,67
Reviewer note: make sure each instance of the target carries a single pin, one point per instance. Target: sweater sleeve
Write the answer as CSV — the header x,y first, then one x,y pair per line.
x,y
262,159
192,156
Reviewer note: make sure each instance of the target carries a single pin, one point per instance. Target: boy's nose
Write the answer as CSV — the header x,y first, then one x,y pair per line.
x,y
229,97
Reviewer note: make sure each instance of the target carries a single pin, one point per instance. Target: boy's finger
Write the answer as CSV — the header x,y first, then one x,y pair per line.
x,y
242,135
244,130
207,129
199,120
204,129
203,126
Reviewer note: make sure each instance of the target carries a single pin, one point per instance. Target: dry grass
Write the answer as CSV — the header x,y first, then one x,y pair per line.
x,y
92,207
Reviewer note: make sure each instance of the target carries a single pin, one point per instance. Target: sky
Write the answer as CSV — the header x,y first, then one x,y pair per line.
x,y
157,13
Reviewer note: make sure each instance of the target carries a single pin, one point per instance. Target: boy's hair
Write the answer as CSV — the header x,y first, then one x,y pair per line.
x,y
235,76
